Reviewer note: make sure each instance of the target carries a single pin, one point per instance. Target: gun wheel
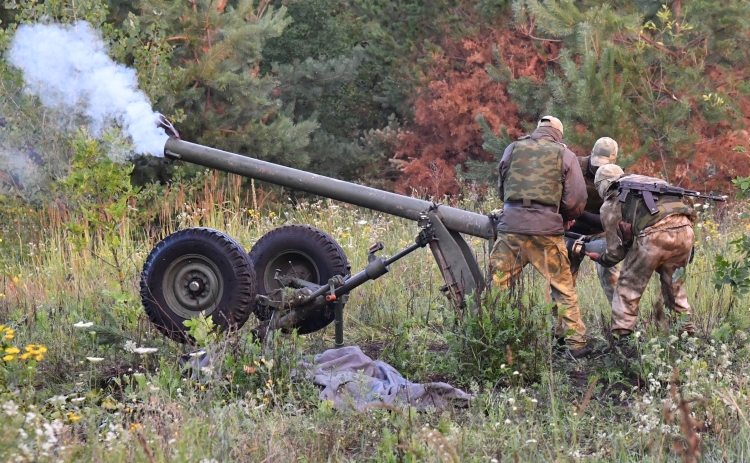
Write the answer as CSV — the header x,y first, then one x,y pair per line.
x,y
299,251
194,271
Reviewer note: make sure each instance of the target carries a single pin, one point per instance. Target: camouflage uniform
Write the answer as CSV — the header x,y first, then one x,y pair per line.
x,y
661,244
604,152
541,186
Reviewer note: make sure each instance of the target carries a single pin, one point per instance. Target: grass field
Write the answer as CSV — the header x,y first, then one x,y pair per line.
x,y
87,398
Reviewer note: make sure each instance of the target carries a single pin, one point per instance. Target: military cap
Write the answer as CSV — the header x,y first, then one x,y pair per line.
x,y
604,152
605,176
550,121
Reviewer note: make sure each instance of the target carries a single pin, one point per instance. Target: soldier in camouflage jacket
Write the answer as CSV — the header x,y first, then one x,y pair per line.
x,y
542,188
604,152
646,244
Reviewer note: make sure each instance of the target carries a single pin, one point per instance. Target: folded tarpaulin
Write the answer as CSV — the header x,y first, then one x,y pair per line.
x,y
352,379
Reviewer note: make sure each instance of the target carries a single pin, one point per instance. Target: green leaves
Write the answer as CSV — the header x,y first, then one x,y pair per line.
x,y
743,183
734,273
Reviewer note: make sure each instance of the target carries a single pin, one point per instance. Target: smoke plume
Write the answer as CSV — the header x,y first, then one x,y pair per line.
x,y
67,66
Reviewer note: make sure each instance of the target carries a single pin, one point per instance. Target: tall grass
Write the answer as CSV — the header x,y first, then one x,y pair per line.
x,y
256,406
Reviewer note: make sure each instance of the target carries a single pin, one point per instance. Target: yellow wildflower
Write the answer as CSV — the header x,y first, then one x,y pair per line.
x,y
73,417
36,349
9,358
12,350
135,426
265,399
39,358
24,356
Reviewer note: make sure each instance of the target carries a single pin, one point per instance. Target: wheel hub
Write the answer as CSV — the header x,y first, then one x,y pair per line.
x,y
192,284
293,264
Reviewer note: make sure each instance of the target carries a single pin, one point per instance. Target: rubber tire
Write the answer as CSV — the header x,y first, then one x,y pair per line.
x,y
319,246
234,265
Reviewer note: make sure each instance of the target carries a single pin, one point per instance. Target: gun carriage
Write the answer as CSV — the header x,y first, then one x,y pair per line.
x,y
296,276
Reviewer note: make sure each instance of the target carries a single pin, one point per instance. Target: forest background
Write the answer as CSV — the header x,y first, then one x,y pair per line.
x,y
414,96
403,94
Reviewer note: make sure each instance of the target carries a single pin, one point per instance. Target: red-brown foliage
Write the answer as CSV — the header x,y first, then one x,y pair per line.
x,y
457,88
445,132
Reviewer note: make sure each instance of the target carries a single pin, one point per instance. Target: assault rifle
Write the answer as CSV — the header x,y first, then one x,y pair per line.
x,y
647,190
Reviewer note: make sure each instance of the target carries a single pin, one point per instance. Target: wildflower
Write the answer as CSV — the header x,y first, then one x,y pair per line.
x,y
94,359
73,417
9,333
12,350
248,369
516,373
507,421
145,350
531,441
78,399
83,324
129,346
10,408
57,400
362,222
9,358
35,349
135,426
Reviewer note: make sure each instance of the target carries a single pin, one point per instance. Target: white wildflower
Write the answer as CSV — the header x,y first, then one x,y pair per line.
x,y
83,324
94,359
145,350
130,346
10,408
78,399
531,441
362,222
57,400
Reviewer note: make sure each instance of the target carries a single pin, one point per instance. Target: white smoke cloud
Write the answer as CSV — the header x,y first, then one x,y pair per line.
x,y
67,66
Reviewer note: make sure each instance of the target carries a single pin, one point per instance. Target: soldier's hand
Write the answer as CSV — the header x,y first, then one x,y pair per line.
x,y
593,255
567,224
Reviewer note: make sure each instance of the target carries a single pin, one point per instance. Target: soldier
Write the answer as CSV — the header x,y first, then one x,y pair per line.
x,y
589,223
660,242
543,191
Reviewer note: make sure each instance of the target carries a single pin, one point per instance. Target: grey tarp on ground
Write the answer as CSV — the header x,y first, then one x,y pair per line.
x,y
352,379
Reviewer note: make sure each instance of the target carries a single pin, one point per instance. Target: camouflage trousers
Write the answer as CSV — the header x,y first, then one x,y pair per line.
x,y
607,275
548,255
663,248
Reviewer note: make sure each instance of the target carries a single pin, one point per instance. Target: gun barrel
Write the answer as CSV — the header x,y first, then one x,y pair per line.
x,y
457,220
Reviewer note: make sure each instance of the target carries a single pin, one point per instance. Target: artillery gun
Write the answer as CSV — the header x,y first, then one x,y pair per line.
x,y
295,276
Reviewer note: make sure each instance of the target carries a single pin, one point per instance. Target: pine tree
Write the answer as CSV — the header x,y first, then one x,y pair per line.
x,y
227,103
